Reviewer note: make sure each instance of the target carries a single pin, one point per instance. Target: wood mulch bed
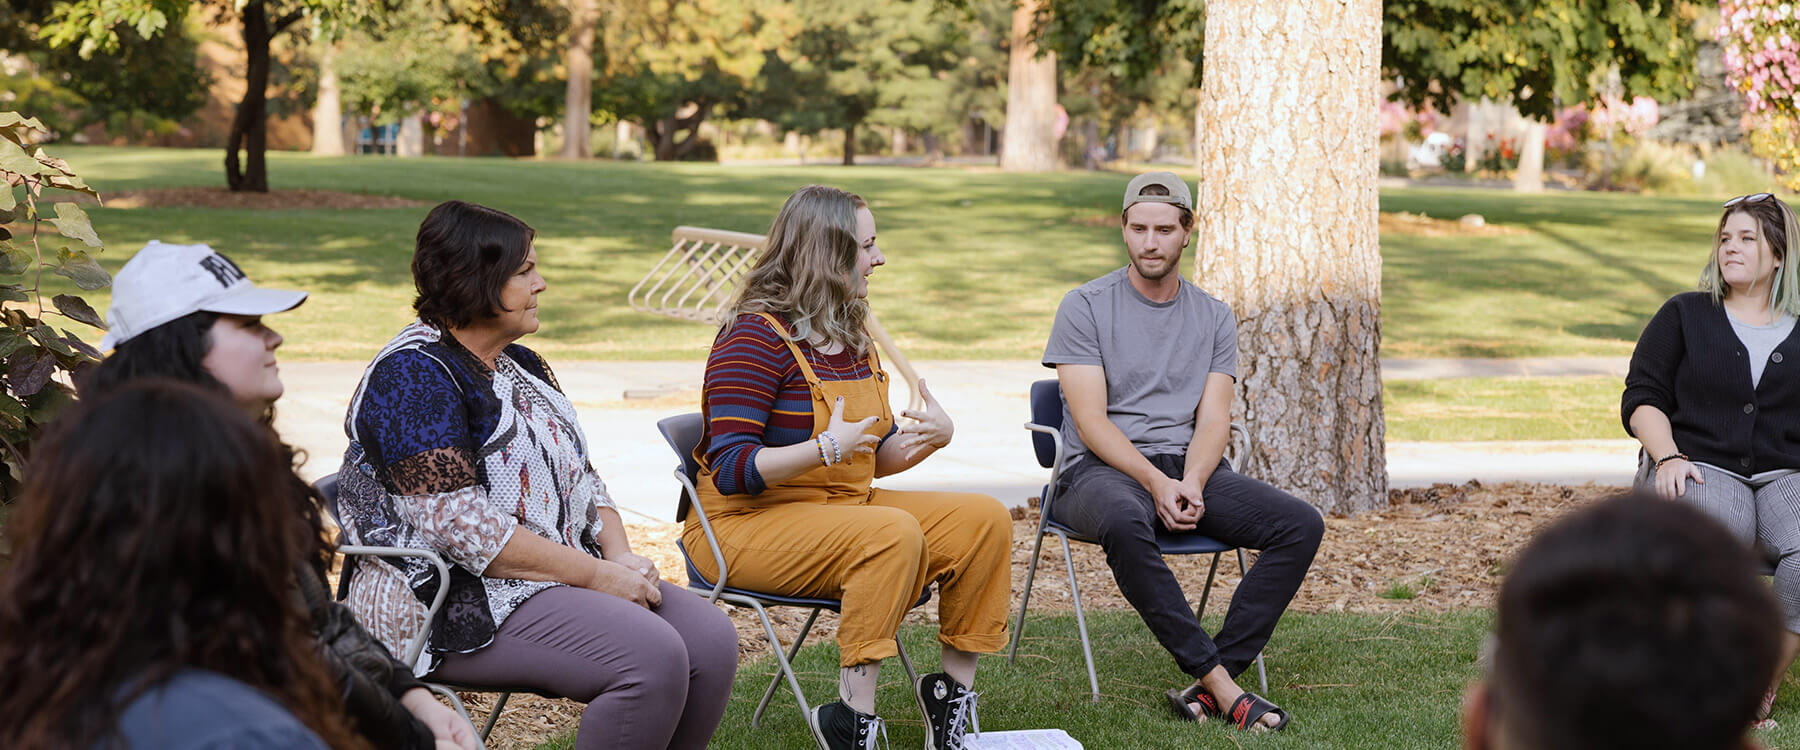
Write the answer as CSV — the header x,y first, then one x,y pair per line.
x,y
1444,547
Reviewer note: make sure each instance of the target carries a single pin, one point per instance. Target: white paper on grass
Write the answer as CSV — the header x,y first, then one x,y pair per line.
x,y
1024,739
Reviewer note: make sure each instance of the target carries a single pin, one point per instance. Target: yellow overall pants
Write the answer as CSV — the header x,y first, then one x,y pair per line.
x,y
829,534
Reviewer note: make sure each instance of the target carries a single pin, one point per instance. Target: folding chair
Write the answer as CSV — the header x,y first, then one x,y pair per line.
x,y
328,489
683,433
1046,423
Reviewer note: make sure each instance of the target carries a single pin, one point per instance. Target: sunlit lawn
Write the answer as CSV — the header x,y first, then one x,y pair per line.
x,y
977,259
1553,408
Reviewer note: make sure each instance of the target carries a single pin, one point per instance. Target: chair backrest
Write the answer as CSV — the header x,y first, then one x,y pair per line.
x,y
683,433
1047,410
328,489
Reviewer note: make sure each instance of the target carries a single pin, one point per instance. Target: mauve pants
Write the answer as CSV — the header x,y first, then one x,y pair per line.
x,y
652,679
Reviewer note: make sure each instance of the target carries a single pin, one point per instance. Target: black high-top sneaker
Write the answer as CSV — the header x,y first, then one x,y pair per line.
x,y
839,727
949,710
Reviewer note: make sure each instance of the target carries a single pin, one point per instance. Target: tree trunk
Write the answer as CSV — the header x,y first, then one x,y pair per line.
x,y
1287,235
1529,177
328,109
934,149
249,129
1029,142
578,96
850,144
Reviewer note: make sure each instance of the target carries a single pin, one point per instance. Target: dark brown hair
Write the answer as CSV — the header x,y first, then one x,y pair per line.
x,y
1187,214
156,532
1637,622
462,259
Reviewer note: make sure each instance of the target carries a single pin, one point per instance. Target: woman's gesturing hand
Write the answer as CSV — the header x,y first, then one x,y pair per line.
x,y
930,426
1671,477
612,578
851,437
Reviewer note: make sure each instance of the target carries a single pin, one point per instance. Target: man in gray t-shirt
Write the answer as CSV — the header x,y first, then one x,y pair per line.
x,y
1147,363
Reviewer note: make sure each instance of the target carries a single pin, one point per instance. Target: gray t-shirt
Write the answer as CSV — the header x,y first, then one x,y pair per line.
x,y
1760,341
1156,357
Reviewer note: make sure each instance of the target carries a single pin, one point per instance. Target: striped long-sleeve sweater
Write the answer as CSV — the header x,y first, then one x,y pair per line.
x,y
756,396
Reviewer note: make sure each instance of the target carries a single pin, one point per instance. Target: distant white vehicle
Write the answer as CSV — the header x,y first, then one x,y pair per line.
x,y
1431,152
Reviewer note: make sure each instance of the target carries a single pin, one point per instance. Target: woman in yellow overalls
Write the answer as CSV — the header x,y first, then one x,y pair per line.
x,y
798,426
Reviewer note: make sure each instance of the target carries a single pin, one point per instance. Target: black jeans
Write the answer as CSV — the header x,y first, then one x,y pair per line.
x,y
1102,502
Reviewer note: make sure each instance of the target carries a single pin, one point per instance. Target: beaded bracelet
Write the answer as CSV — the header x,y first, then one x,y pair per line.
x,y
1670,457
821,441
837,453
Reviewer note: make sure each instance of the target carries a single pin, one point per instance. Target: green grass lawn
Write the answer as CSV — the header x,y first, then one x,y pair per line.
x,y
1550,408
1350,681
977,259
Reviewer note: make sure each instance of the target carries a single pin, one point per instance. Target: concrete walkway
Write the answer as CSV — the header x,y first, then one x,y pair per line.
x,y
986,398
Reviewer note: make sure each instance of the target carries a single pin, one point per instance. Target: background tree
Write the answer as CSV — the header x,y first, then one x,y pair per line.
x,y
94,25
148,86
1287,234
670,66
1029,143
414,60
1540,56
857,62
1762,62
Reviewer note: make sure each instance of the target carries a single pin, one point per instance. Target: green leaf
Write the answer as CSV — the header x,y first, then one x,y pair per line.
x,y
73,223
14,159
11,293
80,267
78,309
12,413
13,259
46,403
27,370
46,336
7,199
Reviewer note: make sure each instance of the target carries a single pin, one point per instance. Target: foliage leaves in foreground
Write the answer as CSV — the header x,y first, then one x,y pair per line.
x,y
37,360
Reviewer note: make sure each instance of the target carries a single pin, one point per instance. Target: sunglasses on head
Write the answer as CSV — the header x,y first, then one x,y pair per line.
x,y
1752,198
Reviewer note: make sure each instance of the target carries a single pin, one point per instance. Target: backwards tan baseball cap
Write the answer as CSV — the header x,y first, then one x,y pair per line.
x,y
1178,190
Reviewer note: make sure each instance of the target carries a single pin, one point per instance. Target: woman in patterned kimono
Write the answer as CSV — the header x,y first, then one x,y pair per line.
x,y
461,441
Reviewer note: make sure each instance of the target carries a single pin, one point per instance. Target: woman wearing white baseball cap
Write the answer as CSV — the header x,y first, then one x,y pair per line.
x,y
187,313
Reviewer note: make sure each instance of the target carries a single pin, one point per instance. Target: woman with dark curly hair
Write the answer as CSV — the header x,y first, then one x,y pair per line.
x,y
149,601
461,441
189,313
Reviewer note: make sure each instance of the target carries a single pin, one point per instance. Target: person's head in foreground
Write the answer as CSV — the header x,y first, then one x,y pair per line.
x,y
1756,235
1157,218
815,268
1635,623
189,313
155,537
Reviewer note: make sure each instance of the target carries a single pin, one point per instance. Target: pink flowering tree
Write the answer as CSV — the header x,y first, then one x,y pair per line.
x,y
1762,61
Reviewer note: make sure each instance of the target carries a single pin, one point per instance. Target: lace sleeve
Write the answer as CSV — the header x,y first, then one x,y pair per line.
x,y
461,524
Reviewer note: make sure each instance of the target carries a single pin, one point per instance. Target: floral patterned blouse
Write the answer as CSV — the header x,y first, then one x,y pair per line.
x,y
449,455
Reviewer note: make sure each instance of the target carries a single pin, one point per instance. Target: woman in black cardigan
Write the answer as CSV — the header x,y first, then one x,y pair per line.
x,y
1714,396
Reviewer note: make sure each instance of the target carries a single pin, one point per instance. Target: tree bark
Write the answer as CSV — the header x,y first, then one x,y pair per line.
x,y
662,133
584,15
850,144
1287,234
1029,141
1529,177
249,128
328,109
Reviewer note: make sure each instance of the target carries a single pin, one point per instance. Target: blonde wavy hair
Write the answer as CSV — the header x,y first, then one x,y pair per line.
x,y
806,269
1776,227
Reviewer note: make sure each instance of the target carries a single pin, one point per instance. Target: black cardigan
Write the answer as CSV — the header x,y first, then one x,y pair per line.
x,y
1691,365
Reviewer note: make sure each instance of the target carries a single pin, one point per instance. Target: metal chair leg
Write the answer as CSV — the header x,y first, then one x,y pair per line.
x,y
912,677
455,702
756,718
1087,651
1200,611
494,716
1025,600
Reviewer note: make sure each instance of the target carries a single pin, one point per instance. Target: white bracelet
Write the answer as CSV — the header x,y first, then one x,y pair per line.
x,y
837,453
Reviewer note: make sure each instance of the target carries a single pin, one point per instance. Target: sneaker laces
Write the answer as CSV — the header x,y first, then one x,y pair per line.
x,y
867,731
962,711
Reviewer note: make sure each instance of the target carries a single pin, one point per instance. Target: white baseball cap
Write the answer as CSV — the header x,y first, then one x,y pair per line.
x,y
164,282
